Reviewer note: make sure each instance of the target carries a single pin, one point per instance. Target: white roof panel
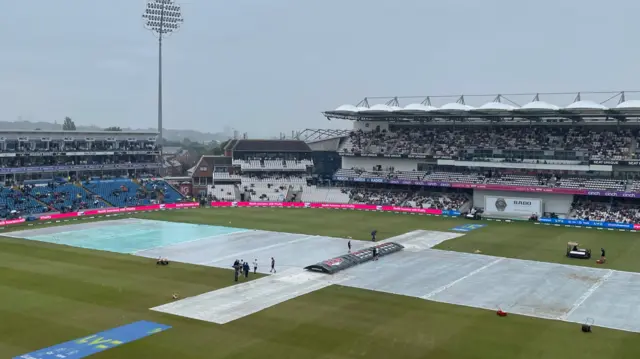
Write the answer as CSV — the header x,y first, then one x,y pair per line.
x,y
539,105
586,105
378,108
496,106
346,109
454,106
629,105
418,107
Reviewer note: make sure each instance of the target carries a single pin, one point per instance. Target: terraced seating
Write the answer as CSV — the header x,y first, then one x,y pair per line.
x,y
11,199
170,193
119,193
65,197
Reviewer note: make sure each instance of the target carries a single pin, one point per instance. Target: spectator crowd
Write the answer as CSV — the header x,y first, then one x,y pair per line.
x,y
436,200
615,211
452,141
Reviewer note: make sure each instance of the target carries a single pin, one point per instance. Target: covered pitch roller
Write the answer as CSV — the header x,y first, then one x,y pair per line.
x,y
343,262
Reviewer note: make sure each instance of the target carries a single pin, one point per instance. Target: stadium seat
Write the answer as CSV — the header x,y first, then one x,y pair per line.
x,y
65,196
125,192
15,200
120,193
455,141
171,195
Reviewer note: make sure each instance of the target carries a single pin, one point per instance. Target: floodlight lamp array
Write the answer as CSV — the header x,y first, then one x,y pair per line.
x,y
162,16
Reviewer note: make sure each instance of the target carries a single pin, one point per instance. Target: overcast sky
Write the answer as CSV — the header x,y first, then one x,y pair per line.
x,y
269,66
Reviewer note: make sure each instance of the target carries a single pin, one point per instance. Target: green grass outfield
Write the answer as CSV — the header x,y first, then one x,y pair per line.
x,y
50,294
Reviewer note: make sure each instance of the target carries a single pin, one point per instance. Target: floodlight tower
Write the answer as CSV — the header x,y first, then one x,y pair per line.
x,y
162,18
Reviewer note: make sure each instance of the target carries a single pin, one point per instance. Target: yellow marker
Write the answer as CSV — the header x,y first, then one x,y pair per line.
x,y
84,340
99,341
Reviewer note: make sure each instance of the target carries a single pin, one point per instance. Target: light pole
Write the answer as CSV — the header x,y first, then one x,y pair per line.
x,y
162,18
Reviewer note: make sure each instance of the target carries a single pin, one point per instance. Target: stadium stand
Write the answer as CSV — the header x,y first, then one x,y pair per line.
x,y
447,141
497,178
325,195
224,192
611,211
259,170
118,193
64,197
160,190
273,165
69,171
126,192
591,150
550,154
271,186
15,201
404,198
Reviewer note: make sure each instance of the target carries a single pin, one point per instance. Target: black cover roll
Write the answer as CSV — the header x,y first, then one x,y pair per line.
x,y
337,264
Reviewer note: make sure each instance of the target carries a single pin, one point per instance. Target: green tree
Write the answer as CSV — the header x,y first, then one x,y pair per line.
x,y
113,128
218,148
68,124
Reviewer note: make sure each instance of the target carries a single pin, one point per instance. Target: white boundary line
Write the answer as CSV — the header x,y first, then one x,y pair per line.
x,y
241,254
586,295
447,286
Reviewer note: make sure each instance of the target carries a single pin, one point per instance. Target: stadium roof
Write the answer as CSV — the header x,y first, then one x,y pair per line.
x,y
310,135
501,108
271,146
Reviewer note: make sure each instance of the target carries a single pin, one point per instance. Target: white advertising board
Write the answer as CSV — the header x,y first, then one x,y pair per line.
x,y
510,205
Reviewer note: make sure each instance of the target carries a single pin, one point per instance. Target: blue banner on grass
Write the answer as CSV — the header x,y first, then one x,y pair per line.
x,y
579,222
96,343
467,227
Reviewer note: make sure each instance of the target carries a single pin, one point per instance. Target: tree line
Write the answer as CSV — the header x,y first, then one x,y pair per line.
x,y
69,125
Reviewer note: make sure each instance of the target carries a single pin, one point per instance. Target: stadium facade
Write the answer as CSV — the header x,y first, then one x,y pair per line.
x,y
34,155
65,172
580,161
492,157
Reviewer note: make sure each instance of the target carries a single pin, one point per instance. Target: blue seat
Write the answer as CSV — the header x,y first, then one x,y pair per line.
x,y
123,193
120,193
170,193
65,196
11,200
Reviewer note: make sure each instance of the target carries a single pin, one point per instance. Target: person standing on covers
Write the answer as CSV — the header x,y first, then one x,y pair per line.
x,y
349,245
273,266
255,266
236,269
246,269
